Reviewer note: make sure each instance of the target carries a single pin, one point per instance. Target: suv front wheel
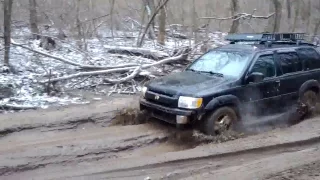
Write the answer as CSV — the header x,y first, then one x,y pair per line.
x,y
219,121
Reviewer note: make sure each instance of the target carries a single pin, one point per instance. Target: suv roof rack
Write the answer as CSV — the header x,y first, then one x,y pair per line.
x,y
264,37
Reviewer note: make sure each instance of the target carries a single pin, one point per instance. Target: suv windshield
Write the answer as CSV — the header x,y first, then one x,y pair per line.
x,y
227,63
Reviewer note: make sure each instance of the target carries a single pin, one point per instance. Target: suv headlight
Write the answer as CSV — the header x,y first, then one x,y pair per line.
x,y
189,102
143,91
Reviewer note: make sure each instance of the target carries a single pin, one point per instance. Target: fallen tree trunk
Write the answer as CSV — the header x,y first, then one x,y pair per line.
x,y
116,70
131,76
83,66
178,35
17,107
133,51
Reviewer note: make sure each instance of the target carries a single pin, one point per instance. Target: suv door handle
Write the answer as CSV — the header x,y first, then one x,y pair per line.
x,y
278,81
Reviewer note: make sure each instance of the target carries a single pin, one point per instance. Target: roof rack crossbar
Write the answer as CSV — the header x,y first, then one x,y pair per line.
x,y
263,37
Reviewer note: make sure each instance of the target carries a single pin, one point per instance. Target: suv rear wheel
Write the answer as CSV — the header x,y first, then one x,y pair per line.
x,y
308,101
219,121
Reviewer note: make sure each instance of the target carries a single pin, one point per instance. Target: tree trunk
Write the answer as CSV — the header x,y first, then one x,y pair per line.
x,y
140,42
7,7
81,35
234,10
275,21
308,16
33,18
296,16
194,22
150,9
289,3
111,16
316,28
162,26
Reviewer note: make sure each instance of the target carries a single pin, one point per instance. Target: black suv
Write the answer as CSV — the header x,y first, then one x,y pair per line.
x,y
254,73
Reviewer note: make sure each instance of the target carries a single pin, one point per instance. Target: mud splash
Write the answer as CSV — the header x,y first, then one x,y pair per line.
x,y
129,116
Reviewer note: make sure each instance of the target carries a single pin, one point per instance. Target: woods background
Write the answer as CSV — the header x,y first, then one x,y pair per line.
x,y
293,15
49,47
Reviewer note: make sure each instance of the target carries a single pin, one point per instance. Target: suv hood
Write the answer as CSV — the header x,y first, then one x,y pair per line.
x,y
188,83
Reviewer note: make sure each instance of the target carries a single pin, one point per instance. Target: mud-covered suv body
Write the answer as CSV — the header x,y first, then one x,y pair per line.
x,y
263,75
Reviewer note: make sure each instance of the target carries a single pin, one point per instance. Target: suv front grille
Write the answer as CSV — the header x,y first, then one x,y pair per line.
x,y
161,99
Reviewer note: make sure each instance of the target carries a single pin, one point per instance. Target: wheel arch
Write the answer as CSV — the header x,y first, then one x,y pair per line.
x,y
313,85
225,100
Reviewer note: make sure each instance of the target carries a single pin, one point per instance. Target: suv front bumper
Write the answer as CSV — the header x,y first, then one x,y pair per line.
x,y
170,115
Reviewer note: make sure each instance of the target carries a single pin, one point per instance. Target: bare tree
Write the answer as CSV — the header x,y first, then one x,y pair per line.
x,y
162,26
307,15
7,7
150,9
296,16
33,18
194,22
235,21
275,21
317,21
289,4
112,2
161,5
81,35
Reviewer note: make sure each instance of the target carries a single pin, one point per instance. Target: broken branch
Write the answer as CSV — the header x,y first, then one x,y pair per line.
x,y
146,53
131,76
83,66
239,16
164,61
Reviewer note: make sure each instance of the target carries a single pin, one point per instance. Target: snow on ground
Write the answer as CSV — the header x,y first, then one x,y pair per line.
x,y
30,68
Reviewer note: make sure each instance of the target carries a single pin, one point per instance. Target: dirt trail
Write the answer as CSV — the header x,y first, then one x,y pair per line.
x,y
78,143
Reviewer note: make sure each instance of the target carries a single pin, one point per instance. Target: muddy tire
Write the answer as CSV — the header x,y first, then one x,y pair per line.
x,y
219,121
308,102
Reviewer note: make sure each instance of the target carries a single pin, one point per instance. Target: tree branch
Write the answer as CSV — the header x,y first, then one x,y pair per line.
x,y
239,16
164,61
83,66
150,22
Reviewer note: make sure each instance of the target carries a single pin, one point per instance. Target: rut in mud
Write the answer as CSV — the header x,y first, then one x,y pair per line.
x,y
25,147
112,131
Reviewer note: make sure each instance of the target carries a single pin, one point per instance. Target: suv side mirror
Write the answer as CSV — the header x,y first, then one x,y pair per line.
x,y
255,77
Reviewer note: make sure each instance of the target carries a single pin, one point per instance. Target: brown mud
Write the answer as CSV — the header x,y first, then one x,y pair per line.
x,y
105,140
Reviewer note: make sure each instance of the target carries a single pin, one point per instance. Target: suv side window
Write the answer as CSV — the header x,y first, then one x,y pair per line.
x,y
310,58
265,65
290,62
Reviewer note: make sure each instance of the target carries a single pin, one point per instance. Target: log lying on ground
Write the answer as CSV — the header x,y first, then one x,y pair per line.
x,y
173,34
134,51
177,35
117,70
17,107
83,66
131,76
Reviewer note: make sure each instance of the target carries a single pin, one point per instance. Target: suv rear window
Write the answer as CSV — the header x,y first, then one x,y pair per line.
x,y
310,58
290,62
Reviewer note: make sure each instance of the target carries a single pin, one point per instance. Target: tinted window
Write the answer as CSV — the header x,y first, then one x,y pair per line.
x,y
265,65
290,62
310,57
